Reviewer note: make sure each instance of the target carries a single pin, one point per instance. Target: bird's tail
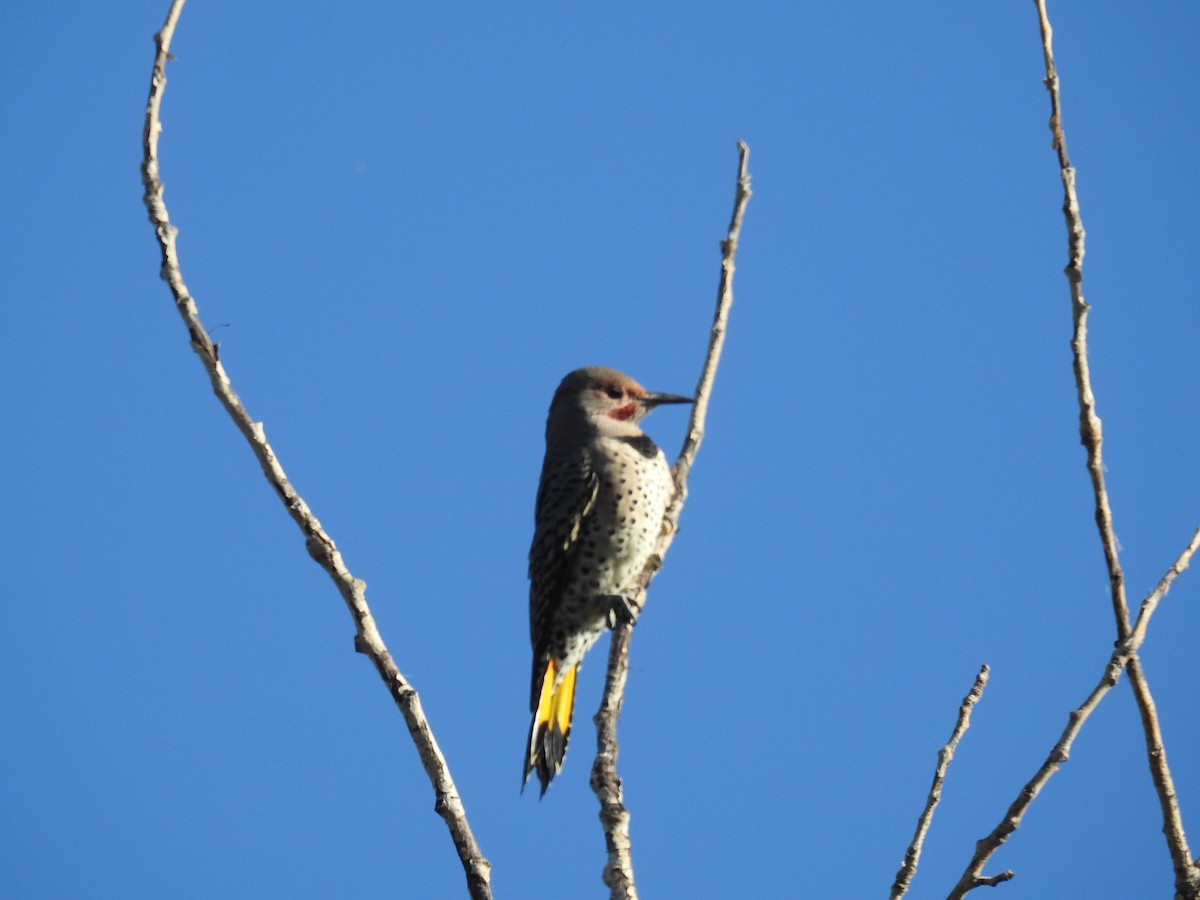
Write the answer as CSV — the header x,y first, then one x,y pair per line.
x,y
551,724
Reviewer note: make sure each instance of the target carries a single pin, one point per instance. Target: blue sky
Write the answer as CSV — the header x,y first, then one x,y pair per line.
x,y
405,223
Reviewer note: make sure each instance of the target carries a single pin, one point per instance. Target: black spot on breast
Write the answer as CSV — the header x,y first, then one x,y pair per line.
x,y
643,445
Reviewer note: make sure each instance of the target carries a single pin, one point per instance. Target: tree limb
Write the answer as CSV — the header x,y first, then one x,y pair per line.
x,y
1061,752
320,545
913,856
1091,435
614,817
1124,657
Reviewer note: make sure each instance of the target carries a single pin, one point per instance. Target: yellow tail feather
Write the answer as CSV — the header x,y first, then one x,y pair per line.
x,y
551,728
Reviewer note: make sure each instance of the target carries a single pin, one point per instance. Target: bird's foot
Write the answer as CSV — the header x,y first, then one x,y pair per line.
x,y
622,609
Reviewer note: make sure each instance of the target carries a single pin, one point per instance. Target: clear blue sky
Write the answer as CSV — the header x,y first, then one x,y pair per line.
x,y
410,221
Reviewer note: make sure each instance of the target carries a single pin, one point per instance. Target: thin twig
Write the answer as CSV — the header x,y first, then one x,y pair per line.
x,y
614,817
913,856
1091,436
1090,428
973,877
1150,604
320,545
716,342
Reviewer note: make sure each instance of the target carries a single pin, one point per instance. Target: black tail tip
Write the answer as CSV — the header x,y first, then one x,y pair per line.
x,y
547,751
545,775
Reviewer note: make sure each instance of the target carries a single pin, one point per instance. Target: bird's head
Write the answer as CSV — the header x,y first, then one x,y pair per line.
x,y
604,401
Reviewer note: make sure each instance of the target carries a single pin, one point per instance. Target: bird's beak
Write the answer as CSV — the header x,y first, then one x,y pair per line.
x,y
652,400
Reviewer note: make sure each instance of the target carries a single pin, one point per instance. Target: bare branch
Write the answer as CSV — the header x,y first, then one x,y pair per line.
x,y
1129,641
1091,436
1090,429
1126,650
319,544
716,342
913,856
973,876
614,817
1187,870
1150,604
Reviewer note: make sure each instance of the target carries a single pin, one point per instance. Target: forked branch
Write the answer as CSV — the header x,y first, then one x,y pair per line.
x,y
1091,436
1187,875
973,876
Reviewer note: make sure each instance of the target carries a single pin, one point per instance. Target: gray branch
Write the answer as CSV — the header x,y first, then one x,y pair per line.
x,y
1091,435
1124,657
913,856
614,817
1061,752
319,544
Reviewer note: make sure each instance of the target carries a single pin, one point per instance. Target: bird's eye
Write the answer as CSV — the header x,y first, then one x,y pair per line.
x,y
613,391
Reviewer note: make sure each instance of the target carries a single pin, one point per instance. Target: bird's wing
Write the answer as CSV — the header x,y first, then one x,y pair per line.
x,y
565,499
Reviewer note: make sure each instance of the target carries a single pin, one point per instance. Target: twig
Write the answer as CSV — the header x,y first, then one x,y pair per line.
x,y
1150,604
1187,870
973,877
716,342
1091,436
913,856
614,817
320,545
1090,429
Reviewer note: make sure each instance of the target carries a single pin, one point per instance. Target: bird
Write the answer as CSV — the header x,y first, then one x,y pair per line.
x,y
604,489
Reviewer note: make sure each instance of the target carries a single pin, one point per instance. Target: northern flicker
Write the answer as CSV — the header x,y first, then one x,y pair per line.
x,y
605,486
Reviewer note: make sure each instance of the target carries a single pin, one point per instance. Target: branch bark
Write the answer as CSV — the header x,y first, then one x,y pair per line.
x,y
1129,640
320,545
913,856
1090,430
973,876
614,817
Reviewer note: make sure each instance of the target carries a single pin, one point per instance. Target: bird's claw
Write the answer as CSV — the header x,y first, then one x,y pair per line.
x,y
622,609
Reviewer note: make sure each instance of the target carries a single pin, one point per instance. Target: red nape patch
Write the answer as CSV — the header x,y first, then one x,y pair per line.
x,y
623,412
